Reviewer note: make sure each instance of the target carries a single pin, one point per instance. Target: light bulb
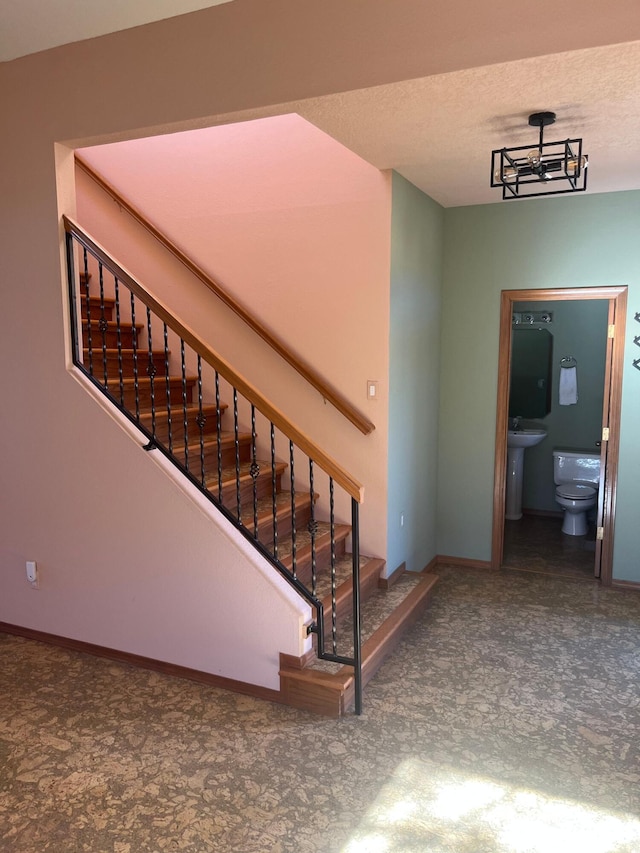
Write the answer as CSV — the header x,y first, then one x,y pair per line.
x,y
533,157
509,173
576,163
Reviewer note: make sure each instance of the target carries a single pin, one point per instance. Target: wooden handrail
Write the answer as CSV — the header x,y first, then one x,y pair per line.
x,y
294,433
305,370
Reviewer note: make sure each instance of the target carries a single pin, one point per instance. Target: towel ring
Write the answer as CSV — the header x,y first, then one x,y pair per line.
x,y
568,361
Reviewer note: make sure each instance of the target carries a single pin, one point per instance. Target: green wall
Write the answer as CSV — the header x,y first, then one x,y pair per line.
x,y
580,241
414,345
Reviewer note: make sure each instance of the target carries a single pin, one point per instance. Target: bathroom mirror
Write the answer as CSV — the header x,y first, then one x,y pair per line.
x,y
531,359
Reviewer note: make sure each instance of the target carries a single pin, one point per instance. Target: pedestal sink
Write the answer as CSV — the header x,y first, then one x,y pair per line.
x,y
517,442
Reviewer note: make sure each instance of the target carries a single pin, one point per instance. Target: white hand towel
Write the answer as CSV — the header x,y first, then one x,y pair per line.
x,y
568,386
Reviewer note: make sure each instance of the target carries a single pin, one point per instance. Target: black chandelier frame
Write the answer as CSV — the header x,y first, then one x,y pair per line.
x,y
521,175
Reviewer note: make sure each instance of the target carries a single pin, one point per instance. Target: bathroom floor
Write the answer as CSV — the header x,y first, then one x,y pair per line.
x,y
537,543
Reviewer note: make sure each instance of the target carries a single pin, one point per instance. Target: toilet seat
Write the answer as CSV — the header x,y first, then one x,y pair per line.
x,y
575,492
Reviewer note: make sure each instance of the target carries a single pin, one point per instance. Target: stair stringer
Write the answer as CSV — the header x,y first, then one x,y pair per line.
x,y
255,614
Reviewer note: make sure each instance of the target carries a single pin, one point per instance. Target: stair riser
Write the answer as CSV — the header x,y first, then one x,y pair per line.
x,y
263,490
265,528
160,395
177,426
344,606
97,311
323,558
109,338
227,453
127,360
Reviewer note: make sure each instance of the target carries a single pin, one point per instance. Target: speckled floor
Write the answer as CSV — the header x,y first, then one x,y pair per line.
x,y
508,721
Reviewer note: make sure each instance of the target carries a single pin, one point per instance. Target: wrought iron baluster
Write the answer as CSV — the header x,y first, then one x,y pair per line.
x,y
313,530
294,541
274,507
332,528
116,284
151,371
102,326
219,436
236,440
254,470
136,380
167,381
185,413
201,421
355,574
88,303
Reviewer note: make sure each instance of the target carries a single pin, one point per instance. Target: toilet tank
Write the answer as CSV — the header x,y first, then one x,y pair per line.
x,y
576,466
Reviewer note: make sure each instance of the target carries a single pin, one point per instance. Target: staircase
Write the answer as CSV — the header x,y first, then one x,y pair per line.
x,y
125,346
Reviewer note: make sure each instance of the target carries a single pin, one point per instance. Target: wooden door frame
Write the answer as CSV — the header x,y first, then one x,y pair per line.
x,y
615,295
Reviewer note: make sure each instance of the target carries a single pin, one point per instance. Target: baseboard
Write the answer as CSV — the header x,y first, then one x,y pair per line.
x,y
141,662
387,583
461,562
629,586
396,574
293,662
431,566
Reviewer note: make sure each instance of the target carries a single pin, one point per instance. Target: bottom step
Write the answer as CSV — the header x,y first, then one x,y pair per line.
x,y
329,689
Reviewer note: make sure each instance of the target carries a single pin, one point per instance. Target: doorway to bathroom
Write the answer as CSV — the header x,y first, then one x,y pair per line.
x,y
589,336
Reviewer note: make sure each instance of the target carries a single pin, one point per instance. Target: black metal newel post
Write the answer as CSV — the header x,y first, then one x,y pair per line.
x,y
357,640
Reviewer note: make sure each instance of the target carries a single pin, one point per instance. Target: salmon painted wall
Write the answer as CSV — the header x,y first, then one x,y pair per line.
x,y
296,228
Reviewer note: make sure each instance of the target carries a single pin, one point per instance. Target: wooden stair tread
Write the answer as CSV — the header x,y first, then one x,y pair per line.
x,y
130,381
229,474
177,411
141,352
112,324
227,439
264,512
97,300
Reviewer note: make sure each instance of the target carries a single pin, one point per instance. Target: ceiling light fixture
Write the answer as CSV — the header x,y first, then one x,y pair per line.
x,y
524,171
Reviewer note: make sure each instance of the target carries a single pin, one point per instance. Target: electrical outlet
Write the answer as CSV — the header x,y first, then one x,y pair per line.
x,y
32,573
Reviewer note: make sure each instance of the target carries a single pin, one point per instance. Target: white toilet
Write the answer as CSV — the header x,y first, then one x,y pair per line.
x,y
576,474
